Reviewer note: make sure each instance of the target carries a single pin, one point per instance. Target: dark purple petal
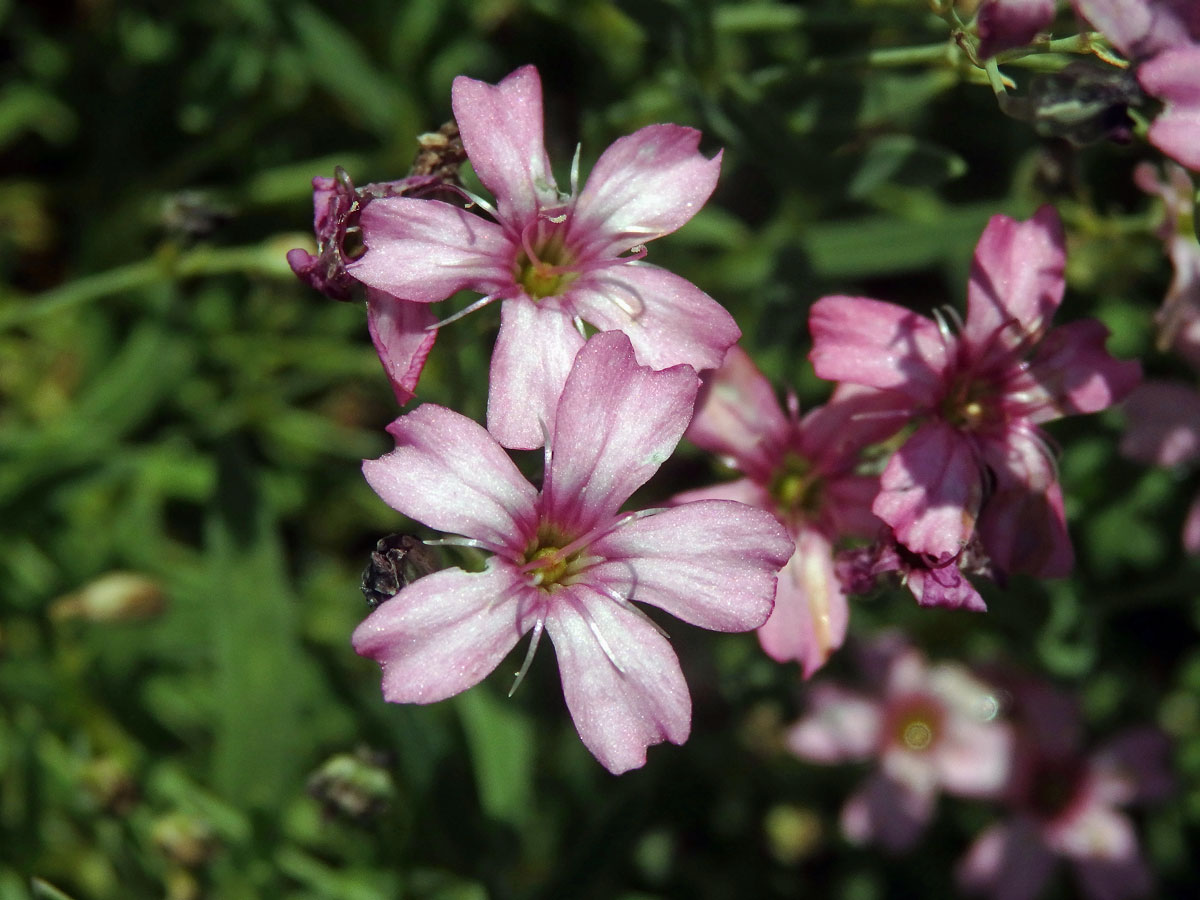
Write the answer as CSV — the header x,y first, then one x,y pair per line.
x,y
1174,77
1004,24
1072,373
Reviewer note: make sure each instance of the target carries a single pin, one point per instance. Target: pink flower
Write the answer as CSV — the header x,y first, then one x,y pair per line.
x,y
802,471
931,728
565,561
555,260
1067,805
978,463
940,583
1163,37
1004,24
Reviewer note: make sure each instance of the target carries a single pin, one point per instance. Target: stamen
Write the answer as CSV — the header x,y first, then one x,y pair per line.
x,y
465,311
580,327
477,200
575,169
633,306
943,327
602,642
538,626
456,541
953,316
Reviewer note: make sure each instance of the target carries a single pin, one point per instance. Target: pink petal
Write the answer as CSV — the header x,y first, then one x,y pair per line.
x,y
1023,526
1191,528
644,185
443,633
880,345
668,319
1097,832
930,491
847,506
976,758
1140,28
811,613
425,250
834,434
1004,24
741,491
1174,77
533,354
1007,862
712,563
450,474
886,812
841,726
501,127
944,585
1072,373
1162,423
739,417
402,337
1135,767
617,422
621,679
1016,282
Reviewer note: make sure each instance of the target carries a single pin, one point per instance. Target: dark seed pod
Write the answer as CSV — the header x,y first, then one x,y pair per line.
x,y
397,560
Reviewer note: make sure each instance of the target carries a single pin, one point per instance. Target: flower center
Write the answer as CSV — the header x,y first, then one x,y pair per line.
x,y
547,566
543,266
971,405
917,724
795,488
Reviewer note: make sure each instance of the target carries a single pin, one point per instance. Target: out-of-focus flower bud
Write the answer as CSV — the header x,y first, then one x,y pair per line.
x,y
184,839
353,785
111,783
115,597
793,832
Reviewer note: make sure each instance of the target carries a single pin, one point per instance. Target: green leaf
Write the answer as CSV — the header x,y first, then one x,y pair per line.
x,y
901,159
502,744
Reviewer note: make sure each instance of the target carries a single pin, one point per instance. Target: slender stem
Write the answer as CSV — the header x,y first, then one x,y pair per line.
x,y
260,259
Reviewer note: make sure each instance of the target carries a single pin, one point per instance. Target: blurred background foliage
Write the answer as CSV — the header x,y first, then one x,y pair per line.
x,y
183,523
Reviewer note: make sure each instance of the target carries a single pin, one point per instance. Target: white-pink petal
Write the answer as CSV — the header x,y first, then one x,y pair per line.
x,y
444,633
617,422
712,563
450,474
1016,282
841,726
644,185
426,250
668,319
501,127
620,677
531,359
402,333
880,345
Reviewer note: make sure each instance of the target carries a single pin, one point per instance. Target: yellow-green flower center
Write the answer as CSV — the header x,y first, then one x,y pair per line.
x,y
917,725
795,488
547,273
550,566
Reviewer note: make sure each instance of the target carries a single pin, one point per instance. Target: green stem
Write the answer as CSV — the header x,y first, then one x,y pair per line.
x,y
261,259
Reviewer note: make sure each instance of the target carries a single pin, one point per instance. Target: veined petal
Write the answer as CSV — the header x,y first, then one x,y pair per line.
x,y
668,319
1162,423
530,362
878,344
1140,28
620,677
617,422
444,633
738,416
402,337
644,185
811,613
1023,526
834,434
712,563
425,250
841,726
1174,77
1072,373
450,474
930,491
1016,279
501,128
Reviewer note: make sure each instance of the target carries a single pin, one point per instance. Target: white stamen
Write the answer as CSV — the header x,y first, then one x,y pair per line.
x,y
480,202
580,327
575,169
625,603
533,645
465,311
459,542
604,645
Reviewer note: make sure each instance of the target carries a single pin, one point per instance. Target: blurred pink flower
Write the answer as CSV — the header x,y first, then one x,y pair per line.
x,y
942,583
1004,24
565,561
978,461
1163,38
1066,805
555,260
802,471
931,728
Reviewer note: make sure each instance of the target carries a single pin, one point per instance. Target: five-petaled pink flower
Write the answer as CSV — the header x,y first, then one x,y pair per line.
x,y
802,470
978,461
556,260
931,728
565,561
1066,804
